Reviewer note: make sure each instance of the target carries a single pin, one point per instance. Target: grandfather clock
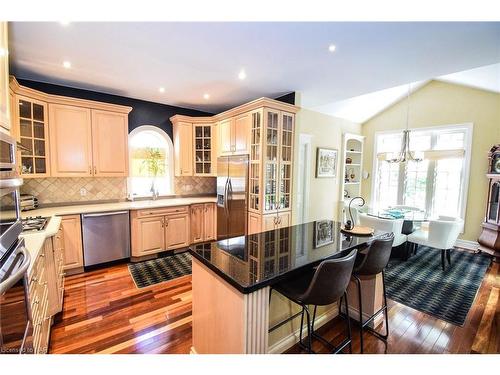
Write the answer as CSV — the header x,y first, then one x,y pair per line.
x,y
489,240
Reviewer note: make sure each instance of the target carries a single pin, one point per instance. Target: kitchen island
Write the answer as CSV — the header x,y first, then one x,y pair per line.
x,y
232,280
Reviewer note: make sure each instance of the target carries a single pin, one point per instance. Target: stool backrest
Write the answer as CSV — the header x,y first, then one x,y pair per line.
x,y
330,280
377,256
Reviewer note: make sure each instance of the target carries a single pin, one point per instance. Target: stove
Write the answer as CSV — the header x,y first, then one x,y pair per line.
x,y
34,224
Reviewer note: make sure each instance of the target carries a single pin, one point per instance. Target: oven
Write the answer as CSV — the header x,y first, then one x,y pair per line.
x,y
15,314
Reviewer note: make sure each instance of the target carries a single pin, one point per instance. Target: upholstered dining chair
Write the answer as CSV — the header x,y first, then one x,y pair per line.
x,y
441,235
386,225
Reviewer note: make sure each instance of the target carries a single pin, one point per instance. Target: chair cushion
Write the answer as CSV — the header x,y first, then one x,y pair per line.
x,y
420,237
294,288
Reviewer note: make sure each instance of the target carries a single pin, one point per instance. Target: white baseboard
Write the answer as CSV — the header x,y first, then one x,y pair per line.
x,y
288,341
467,245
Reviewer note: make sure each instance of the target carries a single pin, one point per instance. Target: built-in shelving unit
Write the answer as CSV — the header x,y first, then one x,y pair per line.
x,y
352,164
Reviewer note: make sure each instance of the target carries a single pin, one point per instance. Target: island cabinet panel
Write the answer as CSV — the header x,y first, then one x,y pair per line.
x,y
39,302
177,231
226,321
148,235
183,148
210,221
72,242
70,141
109,144
197,223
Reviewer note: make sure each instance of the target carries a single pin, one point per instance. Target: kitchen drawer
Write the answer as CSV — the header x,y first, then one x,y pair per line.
x,y
162,211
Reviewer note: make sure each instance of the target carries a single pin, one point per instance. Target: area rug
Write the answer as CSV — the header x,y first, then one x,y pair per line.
x,y
420,282
158,270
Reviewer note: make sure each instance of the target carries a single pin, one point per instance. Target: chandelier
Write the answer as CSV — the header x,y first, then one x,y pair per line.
x,y
405,154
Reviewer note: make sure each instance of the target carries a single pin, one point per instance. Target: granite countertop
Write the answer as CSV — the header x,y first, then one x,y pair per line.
x,y
33,241
255,261
127,205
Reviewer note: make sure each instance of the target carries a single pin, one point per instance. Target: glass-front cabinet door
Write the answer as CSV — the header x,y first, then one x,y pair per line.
x,y
271,160
285,160
33,137
203,150
255,152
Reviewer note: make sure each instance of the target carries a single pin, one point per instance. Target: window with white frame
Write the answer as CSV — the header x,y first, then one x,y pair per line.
x,y
150,162
438,183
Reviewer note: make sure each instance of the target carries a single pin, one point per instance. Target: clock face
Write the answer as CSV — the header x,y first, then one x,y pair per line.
x,y
496,164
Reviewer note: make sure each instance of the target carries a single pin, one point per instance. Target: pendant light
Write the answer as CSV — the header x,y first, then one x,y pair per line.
x,y
405,154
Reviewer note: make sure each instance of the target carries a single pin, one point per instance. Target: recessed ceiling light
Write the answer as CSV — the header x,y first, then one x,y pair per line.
x,y
242,74
332,48
206,96
67,64
161,89
64,23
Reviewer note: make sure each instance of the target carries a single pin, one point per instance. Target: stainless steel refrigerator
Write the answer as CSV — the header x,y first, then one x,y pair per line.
x,y
232,195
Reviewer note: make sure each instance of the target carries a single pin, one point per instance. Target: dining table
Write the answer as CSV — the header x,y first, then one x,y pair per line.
x,y
410,217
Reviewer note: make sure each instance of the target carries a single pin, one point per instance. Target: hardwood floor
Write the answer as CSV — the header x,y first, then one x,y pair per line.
x,y
105,313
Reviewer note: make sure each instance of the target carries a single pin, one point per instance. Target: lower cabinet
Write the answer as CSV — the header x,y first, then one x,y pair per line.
x,y
260,223
72,242
46,290
161,229
203,222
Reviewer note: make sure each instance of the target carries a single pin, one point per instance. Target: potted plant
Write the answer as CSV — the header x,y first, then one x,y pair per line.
x,y
154,163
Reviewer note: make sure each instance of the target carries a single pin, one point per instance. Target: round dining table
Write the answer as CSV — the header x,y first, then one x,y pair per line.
x,y
409,217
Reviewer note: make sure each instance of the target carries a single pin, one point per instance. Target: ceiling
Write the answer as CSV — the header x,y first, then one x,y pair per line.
x,y
192,59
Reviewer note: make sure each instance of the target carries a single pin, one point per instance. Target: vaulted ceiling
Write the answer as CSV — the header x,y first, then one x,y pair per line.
x,y
190,60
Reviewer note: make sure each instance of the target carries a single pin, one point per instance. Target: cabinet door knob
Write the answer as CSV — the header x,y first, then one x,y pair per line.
x,y
90,170
95,170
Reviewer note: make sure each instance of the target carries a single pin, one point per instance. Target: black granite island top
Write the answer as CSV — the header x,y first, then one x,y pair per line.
x,y
258,260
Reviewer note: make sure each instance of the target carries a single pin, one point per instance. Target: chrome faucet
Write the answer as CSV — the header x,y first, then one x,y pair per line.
x,y
154,192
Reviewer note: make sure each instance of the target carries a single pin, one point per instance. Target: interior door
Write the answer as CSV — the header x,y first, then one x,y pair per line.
x,y
70,141
110,157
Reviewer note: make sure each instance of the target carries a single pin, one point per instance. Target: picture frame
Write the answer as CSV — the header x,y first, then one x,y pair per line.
x,y
323,233
326,162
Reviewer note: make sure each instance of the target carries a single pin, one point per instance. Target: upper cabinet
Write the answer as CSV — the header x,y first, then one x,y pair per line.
x,y
4,78
70,141
195,147
234,135
183,148
110,159
31,131
67,137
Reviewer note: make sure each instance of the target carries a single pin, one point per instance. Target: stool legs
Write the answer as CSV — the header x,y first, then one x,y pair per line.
x,y
364,324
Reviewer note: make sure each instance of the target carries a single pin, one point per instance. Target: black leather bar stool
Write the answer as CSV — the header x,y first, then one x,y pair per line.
x,y
370,262
321,286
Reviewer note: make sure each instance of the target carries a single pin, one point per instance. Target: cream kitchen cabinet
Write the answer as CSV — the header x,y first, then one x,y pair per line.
x,y
85,142
72,243
68,137
204,152
183,148
203,222
70,141
109,144
159,229
234,135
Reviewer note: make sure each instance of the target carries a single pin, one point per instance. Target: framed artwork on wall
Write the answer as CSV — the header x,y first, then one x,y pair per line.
x,y
323,233
326,163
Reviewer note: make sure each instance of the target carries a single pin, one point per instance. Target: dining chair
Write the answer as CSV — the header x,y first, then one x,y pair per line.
x,y
386,225
441,235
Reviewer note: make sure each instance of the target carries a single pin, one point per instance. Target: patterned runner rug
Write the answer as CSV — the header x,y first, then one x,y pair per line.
x,y
420,282
158,270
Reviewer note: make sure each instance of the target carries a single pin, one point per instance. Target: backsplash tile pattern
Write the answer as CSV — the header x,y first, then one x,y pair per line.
x,y
67,190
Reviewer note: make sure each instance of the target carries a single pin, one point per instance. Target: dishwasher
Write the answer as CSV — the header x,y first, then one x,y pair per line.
x,y
106,237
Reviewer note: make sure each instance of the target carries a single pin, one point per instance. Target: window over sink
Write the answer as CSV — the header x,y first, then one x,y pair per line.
x,y
151,162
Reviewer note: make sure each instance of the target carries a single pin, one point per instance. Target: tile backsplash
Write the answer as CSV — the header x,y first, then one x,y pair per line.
x,y
68,190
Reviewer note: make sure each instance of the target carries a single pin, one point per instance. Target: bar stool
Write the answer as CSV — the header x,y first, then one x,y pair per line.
x,y
371,262
319,287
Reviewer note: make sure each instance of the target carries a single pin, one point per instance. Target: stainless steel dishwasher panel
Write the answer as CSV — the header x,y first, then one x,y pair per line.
x,y
106,237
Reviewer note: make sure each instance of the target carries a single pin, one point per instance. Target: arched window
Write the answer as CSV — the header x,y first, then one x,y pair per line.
x,y
151,162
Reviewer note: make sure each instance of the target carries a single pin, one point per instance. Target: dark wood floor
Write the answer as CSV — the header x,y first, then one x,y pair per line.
x,y
105,313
